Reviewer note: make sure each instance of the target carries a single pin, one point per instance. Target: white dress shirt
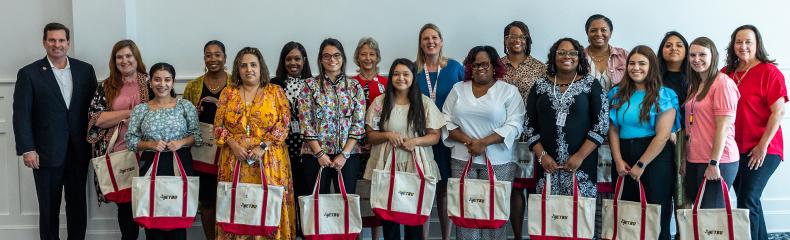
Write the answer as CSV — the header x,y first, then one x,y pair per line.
x,y
501,110
64,79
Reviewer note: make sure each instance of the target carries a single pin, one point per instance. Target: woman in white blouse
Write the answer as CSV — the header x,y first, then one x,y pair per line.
x,y
484,118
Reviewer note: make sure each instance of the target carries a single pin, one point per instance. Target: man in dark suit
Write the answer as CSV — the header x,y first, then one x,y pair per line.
x,y
51,100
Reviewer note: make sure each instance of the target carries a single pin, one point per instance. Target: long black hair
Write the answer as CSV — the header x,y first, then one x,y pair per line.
x,y
761,54
416,115
662,64
281,73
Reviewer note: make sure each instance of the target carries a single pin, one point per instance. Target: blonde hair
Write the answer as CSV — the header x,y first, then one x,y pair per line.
x,y
420,60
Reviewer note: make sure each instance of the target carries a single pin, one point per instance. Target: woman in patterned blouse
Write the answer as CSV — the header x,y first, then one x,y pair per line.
x,y
567,119
293,68
521,70
331,117
164,124
112,105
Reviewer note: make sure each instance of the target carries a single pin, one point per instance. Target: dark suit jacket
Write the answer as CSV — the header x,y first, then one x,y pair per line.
x,y
41,120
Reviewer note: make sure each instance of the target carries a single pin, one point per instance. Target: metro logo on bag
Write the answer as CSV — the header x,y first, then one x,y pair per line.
x,y
478,203
402,197
206,156
165,202
559,216
114,171
330,216
249,208
630,220
713,224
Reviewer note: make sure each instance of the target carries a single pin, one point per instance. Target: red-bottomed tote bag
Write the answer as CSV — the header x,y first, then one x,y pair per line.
x,y
249,208
478,203
630,220
165,202
402,197
553,217
713,224
330,216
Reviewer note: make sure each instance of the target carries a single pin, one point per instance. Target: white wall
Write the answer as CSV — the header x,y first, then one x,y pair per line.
x,y
175,31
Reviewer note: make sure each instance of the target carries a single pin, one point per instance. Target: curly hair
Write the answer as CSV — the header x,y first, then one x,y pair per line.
x,y
499,67
551,66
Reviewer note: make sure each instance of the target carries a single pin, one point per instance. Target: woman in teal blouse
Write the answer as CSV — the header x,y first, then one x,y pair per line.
x,y
643,114
164,124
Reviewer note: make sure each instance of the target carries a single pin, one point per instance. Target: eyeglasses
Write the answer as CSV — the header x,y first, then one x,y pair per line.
x,y
516,37
568,53
327,57
481,66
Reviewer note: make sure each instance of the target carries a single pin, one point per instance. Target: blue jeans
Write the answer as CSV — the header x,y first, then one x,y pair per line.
x,y
695,174
749,186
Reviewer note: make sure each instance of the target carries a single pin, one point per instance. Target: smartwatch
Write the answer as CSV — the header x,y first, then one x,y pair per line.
x,y
714,163
640,164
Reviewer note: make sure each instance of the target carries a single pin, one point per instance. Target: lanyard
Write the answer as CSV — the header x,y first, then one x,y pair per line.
x,y
432,89
562,97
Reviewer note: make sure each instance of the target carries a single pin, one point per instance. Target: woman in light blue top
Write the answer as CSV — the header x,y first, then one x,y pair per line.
x,y
643,114
164,124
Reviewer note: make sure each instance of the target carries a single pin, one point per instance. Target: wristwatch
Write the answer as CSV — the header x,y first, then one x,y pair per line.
x,y
263,145
714,163
346,155
640,164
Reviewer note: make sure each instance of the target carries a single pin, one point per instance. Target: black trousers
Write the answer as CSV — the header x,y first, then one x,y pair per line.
x,y
392,231
50,185
350,172
657,178
129,228
166,167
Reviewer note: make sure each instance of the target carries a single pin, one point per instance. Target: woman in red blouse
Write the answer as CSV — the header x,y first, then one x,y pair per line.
x,y
367,57
757,130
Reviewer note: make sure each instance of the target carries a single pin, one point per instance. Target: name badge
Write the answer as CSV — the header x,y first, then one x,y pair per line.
x,y
295,127
561,119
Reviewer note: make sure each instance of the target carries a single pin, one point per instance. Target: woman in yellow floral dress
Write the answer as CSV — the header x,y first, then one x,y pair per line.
x,y
252,124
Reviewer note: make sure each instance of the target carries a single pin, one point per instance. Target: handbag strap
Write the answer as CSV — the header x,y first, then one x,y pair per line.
x,y
727,206
343,192
179,171
114,138
547,191
642,200
234,188
392,179
491,181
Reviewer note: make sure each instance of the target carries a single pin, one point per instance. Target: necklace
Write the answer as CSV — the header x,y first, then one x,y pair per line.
x,y
370,77
246,110
216,88
740,78
602,57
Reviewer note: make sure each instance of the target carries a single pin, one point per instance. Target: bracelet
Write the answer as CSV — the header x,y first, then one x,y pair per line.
x,y
319,154
540,159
